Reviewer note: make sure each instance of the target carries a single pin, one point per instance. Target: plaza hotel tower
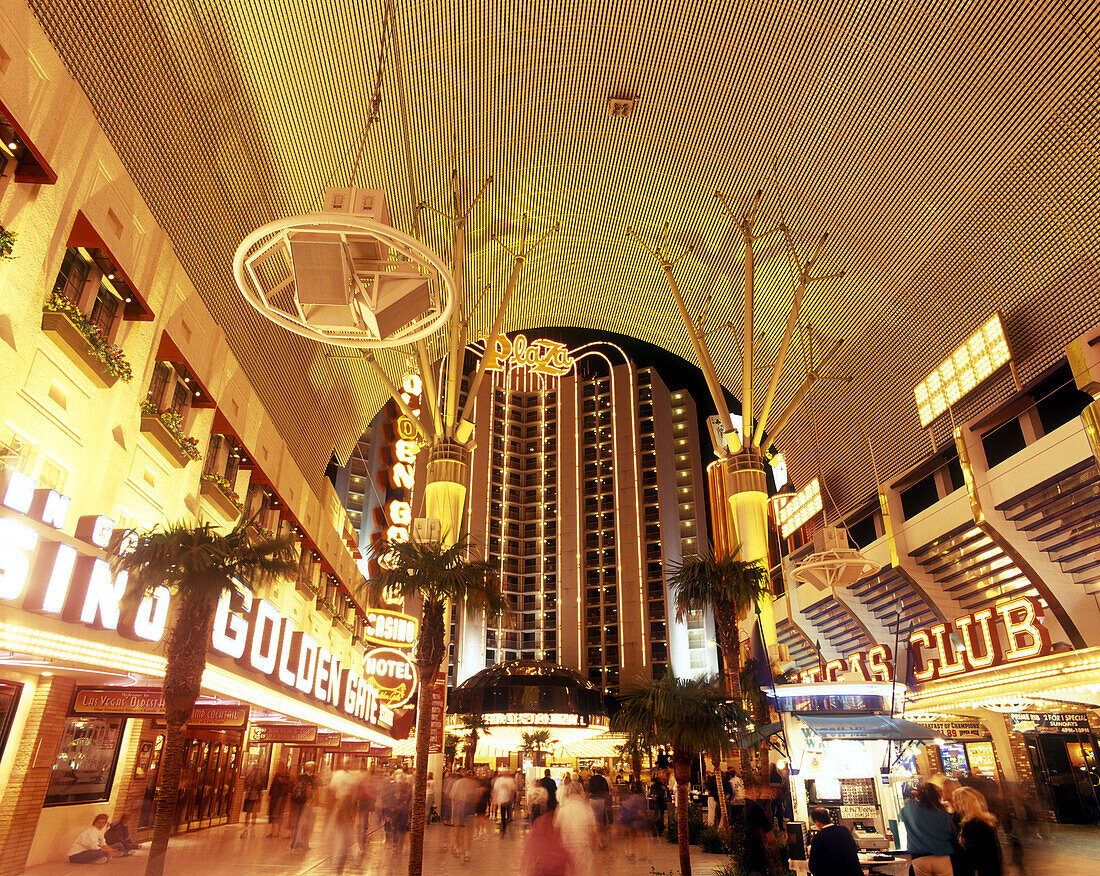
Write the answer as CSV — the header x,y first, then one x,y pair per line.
x,y
585,488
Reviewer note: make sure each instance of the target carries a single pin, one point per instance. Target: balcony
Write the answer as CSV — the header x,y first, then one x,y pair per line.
x,y
217,497
161,437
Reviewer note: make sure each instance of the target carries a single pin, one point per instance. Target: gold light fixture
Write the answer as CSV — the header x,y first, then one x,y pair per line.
x,y
972,362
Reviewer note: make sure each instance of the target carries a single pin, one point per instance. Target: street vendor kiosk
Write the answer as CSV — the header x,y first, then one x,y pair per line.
x,y
848,754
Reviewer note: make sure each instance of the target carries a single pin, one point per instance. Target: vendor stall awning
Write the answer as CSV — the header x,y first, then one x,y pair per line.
x,y
866,727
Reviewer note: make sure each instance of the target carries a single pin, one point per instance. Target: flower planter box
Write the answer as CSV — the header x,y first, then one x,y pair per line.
x,y
324,611
214,495
304,585
163,440
73,344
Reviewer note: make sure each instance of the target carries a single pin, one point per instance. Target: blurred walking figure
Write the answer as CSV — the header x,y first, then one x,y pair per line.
x,y
578,831
981,847
551,788
369,789
464,793
504,798
658,803
342,829
276,802
254,783
396,799
537,800
569,788
301,807
545,854
634,821
481,804
599,797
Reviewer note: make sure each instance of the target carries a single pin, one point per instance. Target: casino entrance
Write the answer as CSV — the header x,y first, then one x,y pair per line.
x,y
1067,772
210,774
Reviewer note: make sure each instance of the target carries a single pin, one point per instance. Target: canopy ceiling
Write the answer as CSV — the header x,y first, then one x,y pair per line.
x,y
948,147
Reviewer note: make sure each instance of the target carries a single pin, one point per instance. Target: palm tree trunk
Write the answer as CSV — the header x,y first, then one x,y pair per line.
x,y
420,772
168,791
429,657
185,660
681,768
723,819
729,640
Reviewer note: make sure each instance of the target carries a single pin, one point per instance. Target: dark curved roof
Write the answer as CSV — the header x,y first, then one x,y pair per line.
x,y
527,686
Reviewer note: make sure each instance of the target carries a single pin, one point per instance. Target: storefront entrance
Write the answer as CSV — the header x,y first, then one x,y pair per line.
x,y
1067,769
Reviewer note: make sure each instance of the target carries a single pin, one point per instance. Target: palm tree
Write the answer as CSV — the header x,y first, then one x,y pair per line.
x,y
690,716
197,563
436,574
474,726
634,747
537,742
730,587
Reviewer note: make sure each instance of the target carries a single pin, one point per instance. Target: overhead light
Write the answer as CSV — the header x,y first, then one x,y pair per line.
x,y
12,145
972,362
799,508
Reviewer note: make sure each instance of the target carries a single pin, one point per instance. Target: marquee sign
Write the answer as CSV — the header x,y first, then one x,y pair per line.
x,y
1009,632
143,702
392,673
541,719
539,357
390,628
73,582
397,474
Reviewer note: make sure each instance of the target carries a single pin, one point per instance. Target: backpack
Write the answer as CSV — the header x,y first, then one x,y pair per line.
x,y
300,792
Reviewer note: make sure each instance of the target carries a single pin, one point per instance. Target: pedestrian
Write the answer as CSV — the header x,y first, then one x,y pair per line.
x,y
90,845
545,854
577,824
276,802
761,847
254,783
118,836
301,807
504,798
463,798
599,798
980,846
833,852
634,820
658,803
551,788
714,811
930,832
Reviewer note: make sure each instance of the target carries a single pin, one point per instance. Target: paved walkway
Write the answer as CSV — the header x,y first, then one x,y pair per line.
x,y
1064,850
221,851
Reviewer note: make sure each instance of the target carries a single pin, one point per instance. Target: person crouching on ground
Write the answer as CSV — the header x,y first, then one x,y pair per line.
x,y
118,836
90,847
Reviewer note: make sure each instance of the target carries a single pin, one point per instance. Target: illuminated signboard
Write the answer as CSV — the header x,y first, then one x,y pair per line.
x,y
135,702
390,628
392,673
74,583
398,474
975,359
538,357
548,719
803,505
981,645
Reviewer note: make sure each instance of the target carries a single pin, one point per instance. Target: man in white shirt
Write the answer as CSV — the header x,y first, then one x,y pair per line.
x,y
90,847
504,796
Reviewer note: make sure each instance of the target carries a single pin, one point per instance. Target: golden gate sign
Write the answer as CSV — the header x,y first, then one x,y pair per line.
x,y
538,357
934,655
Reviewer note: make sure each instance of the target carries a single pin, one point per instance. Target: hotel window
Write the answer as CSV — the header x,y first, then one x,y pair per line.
x,y
73,276
90,280
51,476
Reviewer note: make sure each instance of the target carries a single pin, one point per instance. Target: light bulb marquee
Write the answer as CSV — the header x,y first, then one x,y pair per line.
x,y
799,508
972,362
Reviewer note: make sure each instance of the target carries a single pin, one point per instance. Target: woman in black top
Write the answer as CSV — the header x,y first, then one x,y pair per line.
x,y
981,848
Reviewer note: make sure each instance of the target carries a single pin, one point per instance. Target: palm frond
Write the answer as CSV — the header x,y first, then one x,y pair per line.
x,y
702,580
690,715
436,573
195,559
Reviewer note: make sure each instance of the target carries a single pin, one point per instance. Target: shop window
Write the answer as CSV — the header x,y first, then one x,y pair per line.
x,y
919,496
86,761
9,699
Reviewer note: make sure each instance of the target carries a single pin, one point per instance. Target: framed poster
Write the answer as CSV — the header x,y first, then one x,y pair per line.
x,y
86,761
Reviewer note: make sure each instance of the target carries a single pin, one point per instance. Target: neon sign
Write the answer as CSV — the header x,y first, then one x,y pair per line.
x,y
392,673
390,628
75,583
538,357
934,655
400,475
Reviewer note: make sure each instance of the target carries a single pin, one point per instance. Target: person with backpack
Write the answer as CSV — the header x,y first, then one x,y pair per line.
x,y
301,807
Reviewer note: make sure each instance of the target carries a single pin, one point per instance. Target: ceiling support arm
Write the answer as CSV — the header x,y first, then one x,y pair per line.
x,y
427,377
812,376
804,281
519,258
426,432
702,354
748,338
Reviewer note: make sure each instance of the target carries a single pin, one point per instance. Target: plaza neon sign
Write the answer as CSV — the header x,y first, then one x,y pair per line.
x,y
934,654
539,357
74,583
390,628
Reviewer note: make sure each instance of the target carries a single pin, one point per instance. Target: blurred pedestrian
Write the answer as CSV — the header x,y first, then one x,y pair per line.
x,y
302,794
464,794
551,788
545,854
577,824
634,822
254,783
504,798
930,832
981,848
599,798
277,796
